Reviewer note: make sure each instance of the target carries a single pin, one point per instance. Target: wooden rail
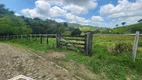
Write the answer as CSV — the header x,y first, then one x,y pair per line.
x,y
116,34
83,43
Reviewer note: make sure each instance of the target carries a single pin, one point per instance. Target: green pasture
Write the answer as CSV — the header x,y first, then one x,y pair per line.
x,y
115,67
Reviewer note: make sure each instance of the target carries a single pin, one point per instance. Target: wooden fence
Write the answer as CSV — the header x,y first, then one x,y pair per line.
x,y
81,43
136,40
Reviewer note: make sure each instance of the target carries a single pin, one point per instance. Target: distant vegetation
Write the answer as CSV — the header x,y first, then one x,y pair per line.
x,y
11,24
127,29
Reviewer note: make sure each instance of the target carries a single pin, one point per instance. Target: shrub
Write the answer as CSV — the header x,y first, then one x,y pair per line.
x,y
120,48
140,44
76,32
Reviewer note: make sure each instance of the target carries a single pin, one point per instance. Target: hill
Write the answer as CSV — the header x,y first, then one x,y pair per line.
x,y
127,29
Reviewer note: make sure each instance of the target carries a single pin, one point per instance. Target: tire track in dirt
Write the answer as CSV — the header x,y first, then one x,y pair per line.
x,y
17,61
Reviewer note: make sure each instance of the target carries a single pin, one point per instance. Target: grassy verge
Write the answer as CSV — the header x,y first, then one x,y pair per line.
x,y
35,44
115,67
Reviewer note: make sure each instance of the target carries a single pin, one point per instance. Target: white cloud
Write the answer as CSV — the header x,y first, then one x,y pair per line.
x,y
52,8
129,12
31,13
76,9
97,18
76,19
69,9
56,11
44,10
89,4
123,9
59,20
110,14
79,6
17,14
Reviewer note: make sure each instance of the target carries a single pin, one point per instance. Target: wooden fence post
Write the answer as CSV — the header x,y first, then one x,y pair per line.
x,y
88,44
21,36
31,37
135,46
46,39
27,36
5,37
8,37
58,40
35,37
0,37
40,39
17,36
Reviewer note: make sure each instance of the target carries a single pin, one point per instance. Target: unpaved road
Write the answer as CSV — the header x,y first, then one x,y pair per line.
x,y
16,61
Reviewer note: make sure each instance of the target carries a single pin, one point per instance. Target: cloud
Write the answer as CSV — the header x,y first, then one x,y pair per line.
x,y
76,9
79,6
31,13
44,10
129,12
52,8
59,20
76,19
17,14
71,11
68,9
123,9
56,11
97,18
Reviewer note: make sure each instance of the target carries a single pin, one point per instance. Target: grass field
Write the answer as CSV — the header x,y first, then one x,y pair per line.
x,y
108,66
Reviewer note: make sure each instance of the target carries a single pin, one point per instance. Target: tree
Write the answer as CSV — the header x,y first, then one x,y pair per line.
x,y
140,21
76,32
65,24
13,25
2,9
123,23
116,25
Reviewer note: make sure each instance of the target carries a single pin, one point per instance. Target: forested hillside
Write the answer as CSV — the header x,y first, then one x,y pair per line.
x,y
11,24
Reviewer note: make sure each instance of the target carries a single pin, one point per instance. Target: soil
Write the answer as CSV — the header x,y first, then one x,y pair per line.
x,y
16,61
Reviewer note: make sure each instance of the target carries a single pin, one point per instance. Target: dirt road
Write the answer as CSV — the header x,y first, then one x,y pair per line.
x,y
16,61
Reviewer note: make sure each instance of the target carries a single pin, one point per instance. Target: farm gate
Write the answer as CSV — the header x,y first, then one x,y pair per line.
x,y
81,43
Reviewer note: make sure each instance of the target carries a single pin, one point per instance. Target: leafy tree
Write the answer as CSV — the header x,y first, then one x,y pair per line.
x,y
65,24
116,25
13,25
140,21
76,32
123,23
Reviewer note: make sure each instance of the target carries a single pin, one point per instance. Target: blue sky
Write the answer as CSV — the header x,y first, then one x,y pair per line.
x,y
102,13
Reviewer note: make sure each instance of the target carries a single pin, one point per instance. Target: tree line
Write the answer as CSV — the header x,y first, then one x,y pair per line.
x,y
11,25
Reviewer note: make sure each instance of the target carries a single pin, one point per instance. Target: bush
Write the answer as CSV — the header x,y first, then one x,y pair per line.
x,y
76,32
120,48
140,44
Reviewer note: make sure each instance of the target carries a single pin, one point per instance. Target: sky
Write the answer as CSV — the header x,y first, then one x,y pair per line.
x,y
101,13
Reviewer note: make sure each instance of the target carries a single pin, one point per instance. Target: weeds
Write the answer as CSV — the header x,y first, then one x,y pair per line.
x,y
120,48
